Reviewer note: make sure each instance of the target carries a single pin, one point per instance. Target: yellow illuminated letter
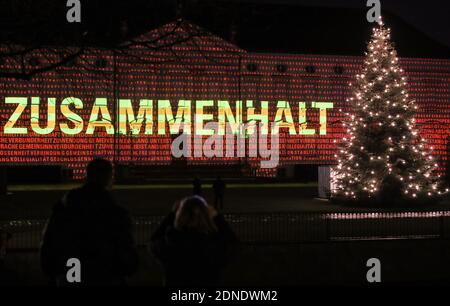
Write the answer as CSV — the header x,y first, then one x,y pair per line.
x,y
226,115
74,118
302,120
283,108
9,126
51,116
252,117
126,114
201,117
100,107
323,106
183,116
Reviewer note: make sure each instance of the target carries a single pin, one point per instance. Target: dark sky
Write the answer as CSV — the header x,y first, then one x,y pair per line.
x,y
44,22
430,16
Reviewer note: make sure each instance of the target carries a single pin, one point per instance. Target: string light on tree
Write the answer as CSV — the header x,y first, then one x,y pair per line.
x,y
383,153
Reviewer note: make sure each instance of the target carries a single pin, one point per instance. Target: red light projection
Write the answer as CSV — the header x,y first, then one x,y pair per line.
x,y
172,64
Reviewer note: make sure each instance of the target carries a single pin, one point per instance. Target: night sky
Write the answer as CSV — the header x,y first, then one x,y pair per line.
x,y
430,16
420,28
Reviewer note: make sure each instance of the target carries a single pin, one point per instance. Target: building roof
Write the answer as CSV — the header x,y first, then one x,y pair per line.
x,y
314,30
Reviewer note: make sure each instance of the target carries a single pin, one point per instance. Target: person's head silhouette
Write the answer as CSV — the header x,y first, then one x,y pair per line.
x,y
195,215
100,172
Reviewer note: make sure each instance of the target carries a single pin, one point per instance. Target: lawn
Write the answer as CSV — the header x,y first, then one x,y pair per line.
x,y
36,201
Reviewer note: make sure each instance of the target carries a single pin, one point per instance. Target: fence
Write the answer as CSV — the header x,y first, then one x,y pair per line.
x,y
288,227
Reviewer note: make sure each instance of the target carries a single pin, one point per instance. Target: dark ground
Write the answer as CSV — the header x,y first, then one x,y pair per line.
x,y
332,263
415,261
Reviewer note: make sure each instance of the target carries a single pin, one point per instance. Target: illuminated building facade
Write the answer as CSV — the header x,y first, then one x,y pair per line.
x,y
111,102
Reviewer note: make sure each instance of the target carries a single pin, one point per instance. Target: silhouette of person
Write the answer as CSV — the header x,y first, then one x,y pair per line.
x,y
7,276
193,244
197,186
219,190
88,225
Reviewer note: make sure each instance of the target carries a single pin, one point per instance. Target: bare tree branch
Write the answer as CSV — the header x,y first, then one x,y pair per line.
x,y
29,74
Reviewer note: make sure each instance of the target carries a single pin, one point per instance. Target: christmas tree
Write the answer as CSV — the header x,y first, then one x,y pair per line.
x,y
383,155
